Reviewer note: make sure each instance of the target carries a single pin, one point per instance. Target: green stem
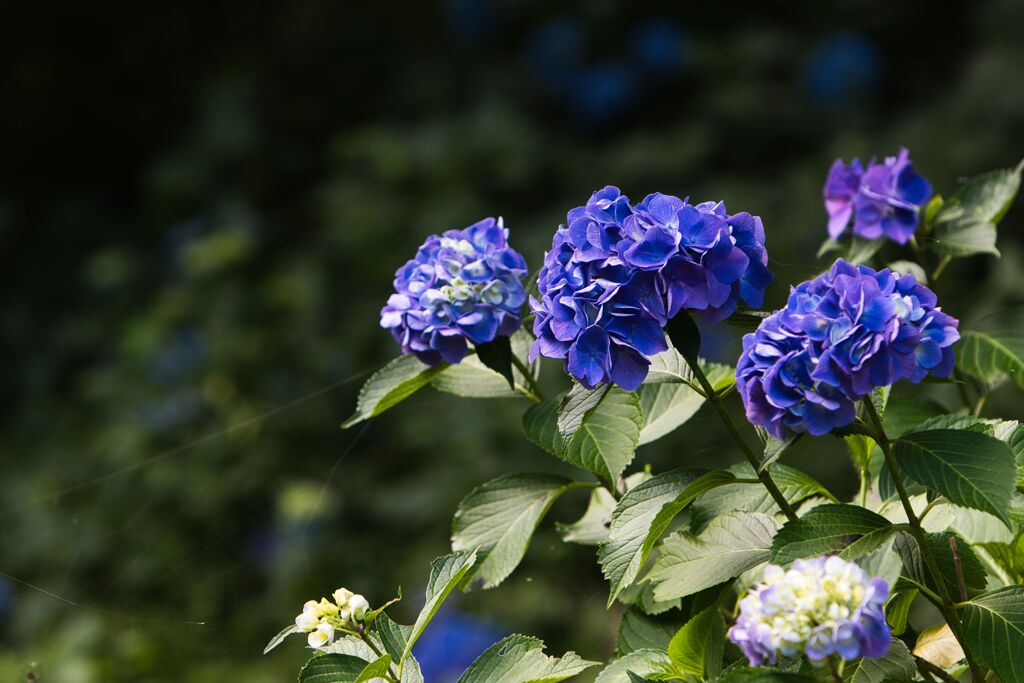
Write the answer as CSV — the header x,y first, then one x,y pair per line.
x,y
837,676
536,393
762,474
863,487
939,268
366,639
946,606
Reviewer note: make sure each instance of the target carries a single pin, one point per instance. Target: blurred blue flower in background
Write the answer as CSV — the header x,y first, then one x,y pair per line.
x,y
842,68
554,52
658,48
601,93
451,644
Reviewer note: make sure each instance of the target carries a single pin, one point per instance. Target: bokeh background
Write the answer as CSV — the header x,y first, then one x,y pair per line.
x,y
202,205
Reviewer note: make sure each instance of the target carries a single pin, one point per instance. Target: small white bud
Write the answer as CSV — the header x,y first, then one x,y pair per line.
x,y
358,606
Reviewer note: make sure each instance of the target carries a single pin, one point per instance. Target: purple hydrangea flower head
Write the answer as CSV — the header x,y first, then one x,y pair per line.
x,y
883,199
463,285
616,273
819,607
840,336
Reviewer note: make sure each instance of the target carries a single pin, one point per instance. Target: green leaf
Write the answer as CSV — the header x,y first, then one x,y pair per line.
x,y
794,484
497,355
987,196
605,442
279,638
857,249
446,572
472,378
575,406
730,545
895,665
966,223
669,398
388,637
929,212
915,569
847,530
378,668
637,522
521,659
968,468
909,268
332,668
964,236
990,357
389,386
498,519
1009,557
639,631
373,614
993,626
641,663
685,336
898,609
906,411
592,527
746,319
696,649
540,423
773,448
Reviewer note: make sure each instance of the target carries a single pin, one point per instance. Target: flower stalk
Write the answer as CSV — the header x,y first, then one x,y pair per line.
x,y
945,604
763,474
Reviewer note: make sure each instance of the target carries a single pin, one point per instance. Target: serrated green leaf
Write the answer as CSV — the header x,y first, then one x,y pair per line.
x,y
939,646
498,519
773,448
446,572
377,669
993,626
540,423
389,386
388,637
897,664
794,484
521,659
696,649
915,569
991,357
575,406
730,545
905,411
1009,557
685,336
605,442
332,668
669,398
472,378
592,527
847,530
638,521
641,663
968,468
639,631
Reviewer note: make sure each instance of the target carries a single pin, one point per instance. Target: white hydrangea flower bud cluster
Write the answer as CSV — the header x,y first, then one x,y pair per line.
x,y
321,620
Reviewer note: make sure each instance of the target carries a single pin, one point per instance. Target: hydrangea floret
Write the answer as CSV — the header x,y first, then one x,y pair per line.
x,y
616,273
322,620
462,286
840,336
819,607
883,199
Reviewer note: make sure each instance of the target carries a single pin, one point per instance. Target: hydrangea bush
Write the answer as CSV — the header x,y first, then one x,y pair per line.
x,y
763,573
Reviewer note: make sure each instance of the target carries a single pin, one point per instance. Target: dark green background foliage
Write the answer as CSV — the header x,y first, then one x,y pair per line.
x,y
202,206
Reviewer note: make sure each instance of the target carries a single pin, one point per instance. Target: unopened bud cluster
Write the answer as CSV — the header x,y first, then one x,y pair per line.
x,y
321,620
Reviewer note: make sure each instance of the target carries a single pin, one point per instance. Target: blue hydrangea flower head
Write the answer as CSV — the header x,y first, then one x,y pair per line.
x,y
840,336
819,607
462,286
883,199
616,273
